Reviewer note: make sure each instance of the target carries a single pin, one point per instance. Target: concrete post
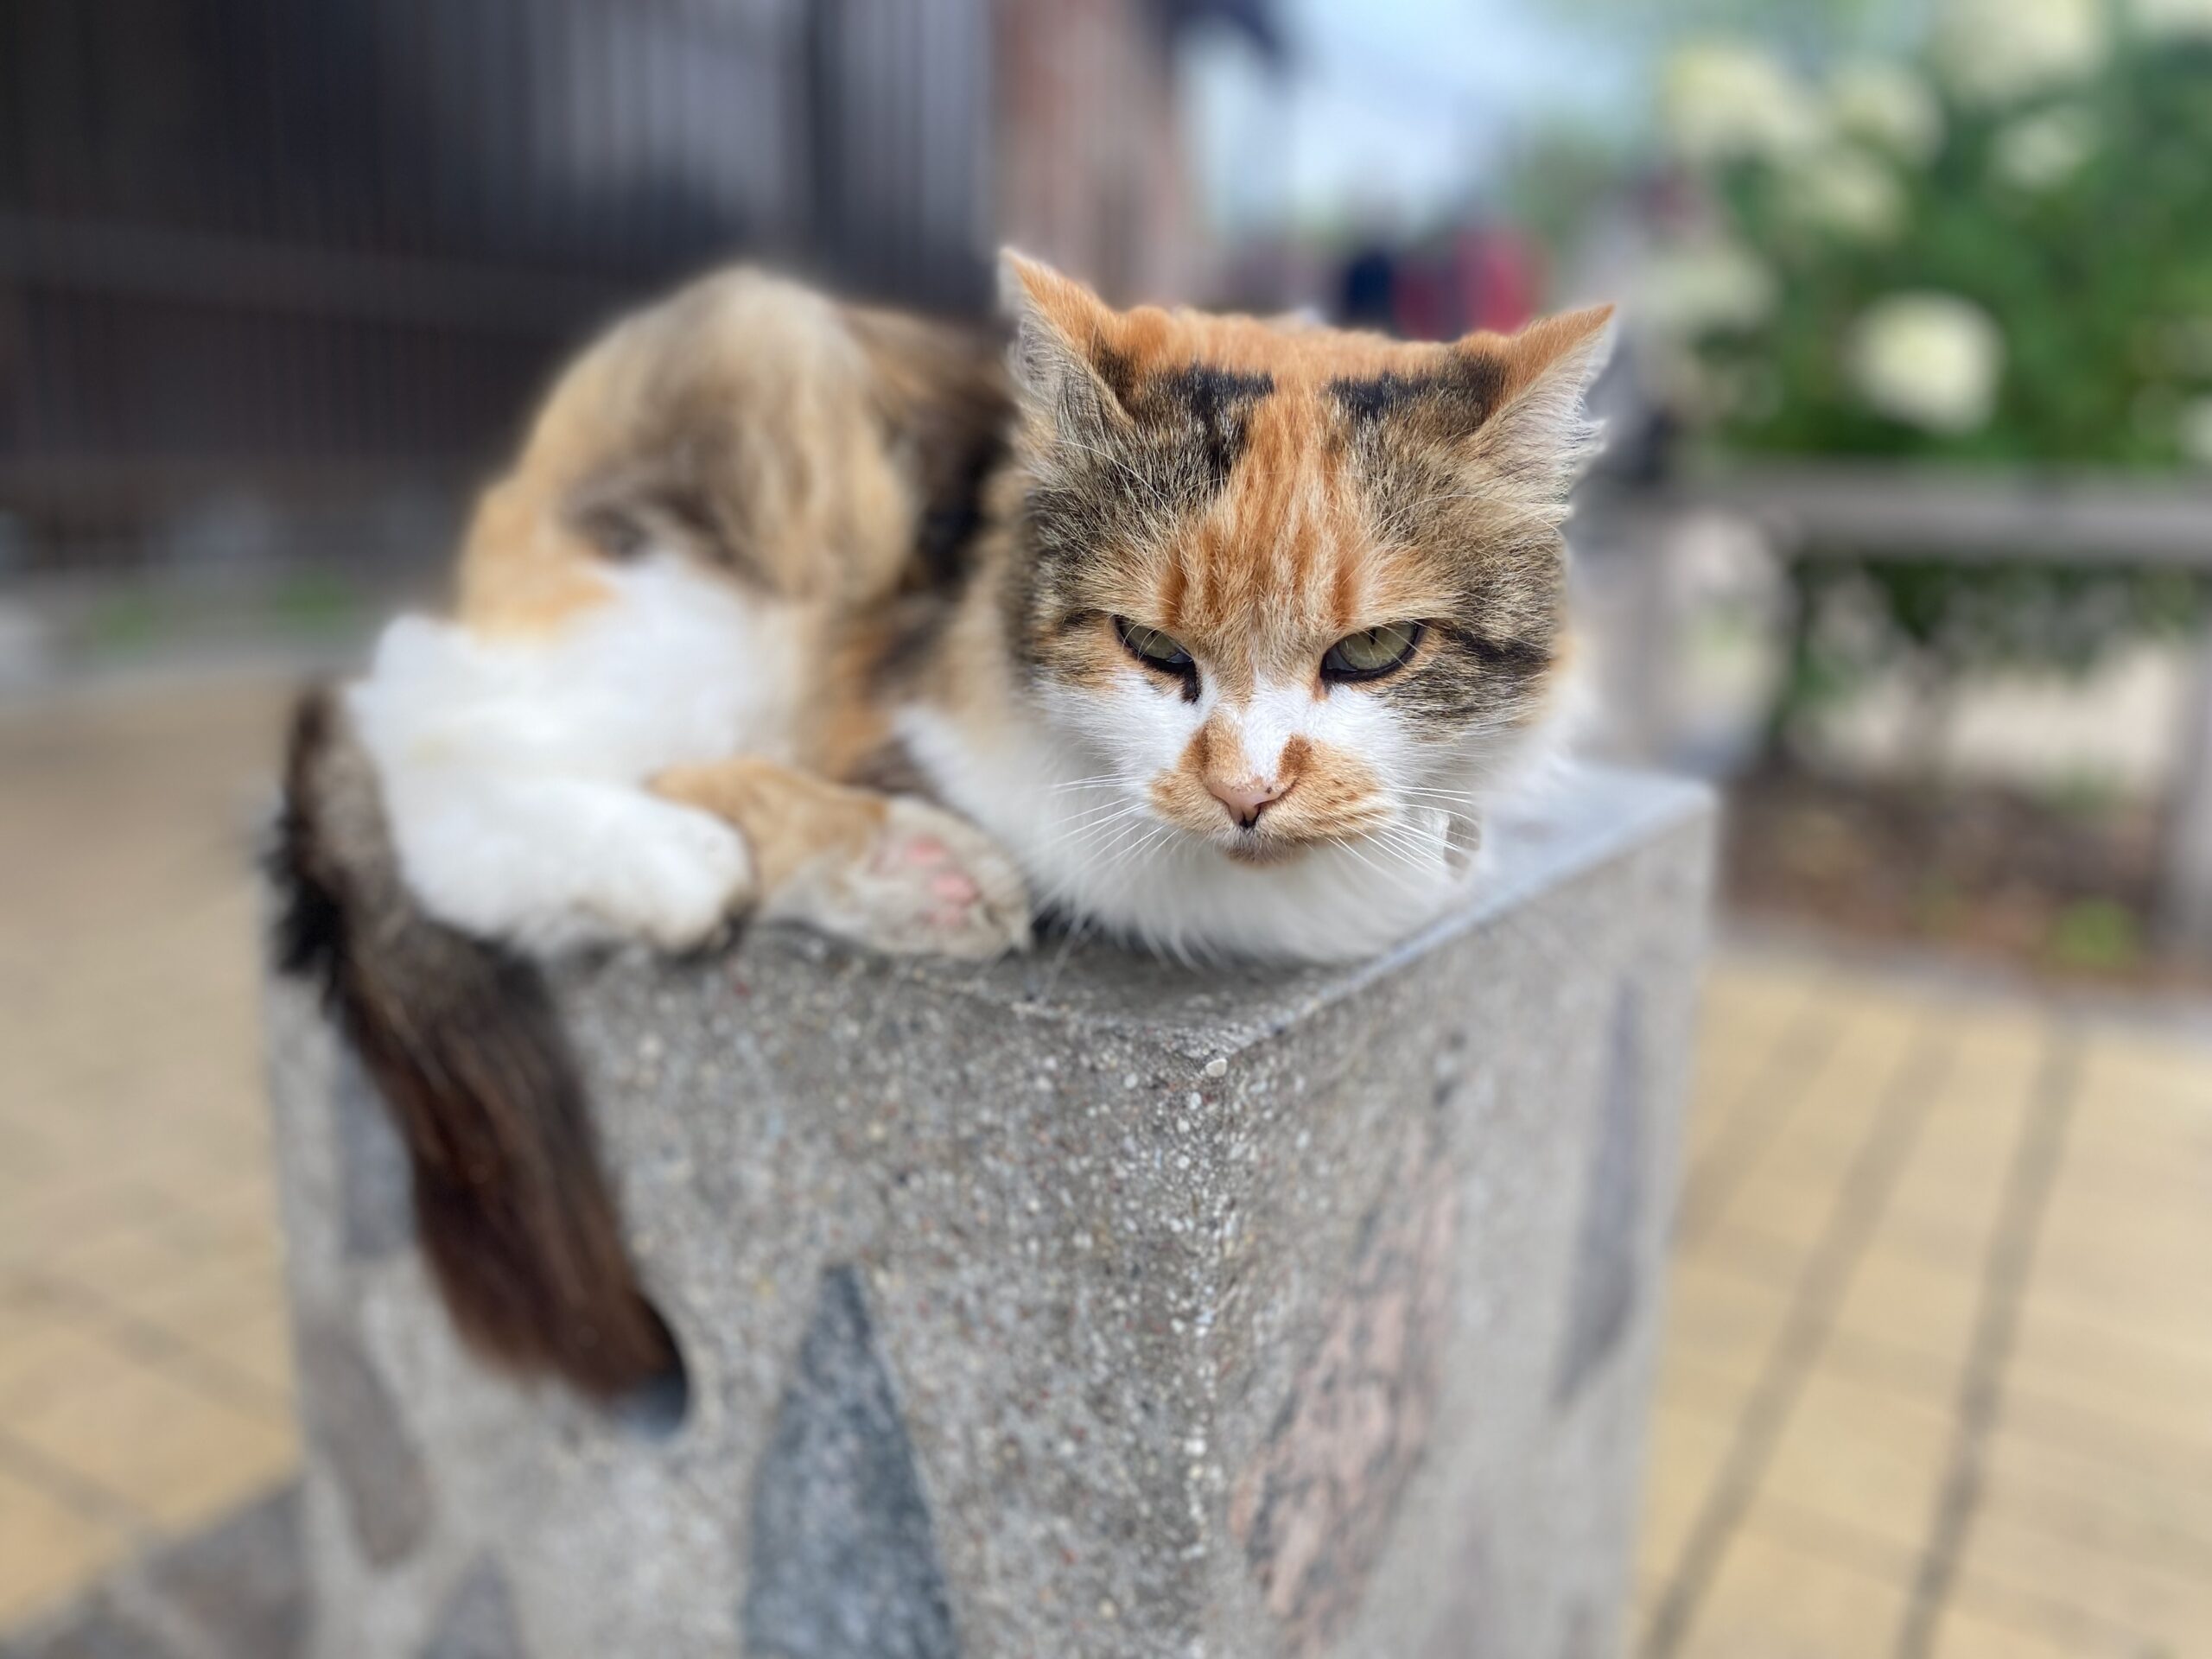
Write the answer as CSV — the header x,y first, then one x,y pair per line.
x,y
1077,1306
2187,844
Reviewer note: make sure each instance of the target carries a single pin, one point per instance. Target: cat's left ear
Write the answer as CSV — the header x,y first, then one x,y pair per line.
x,y
1538,427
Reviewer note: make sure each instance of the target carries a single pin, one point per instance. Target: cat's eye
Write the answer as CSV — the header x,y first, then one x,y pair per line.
x,y
1152,647
1372,652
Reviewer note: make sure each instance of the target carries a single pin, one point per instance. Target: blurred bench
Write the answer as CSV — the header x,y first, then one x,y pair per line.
x,y
2082,520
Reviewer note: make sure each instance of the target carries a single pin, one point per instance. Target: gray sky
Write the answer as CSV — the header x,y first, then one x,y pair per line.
x,y
1394,107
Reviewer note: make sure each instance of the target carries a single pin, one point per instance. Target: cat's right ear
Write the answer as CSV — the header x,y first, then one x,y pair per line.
x,y
1068,369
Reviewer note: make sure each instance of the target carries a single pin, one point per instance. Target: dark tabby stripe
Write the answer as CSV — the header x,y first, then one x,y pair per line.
x,y
1459,396
1208,407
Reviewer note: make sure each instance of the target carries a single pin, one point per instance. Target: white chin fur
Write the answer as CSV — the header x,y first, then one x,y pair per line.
x,y
1161,888
513,770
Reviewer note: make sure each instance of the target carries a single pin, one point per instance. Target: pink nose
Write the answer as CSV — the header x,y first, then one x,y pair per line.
x,y
1244,799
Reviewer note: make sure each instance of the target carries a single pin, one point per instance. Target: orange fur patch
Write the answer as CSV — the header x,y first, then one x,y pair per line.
x,y
1292,552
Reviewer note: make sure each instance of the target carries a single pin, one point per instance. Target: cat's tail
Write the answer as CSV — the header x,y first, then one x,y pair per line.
x,y
463,1043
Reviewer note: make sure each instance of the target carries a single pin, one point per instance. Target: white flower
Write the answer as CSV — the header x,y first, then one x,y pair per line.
x,y
2173,20
1995,51
1888,105
2038,151
1931,360
1721,101
2186,347
2194,429
1690,289
1849,192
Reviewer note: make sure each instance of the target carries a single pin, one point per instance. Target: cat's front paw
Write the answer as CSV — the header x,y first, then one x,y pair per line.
x,y
926,884
673,876
550,864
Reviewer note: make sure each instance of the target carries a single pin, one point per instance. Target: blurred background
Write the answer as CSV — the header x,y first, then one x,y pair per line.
x,y
1904,538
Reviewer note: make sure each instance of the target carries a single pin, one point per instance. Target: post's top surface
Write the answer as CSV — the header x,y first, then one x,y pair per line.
x,y
1589,816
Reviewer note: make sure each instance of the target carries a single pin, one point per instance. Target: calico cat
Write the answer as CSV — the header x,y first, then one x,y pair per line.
x,y
1210,633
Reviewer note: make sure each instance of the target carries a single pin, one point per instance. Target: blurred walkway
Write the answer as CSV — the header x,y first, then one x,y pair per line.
x,y
1940,1379
1939,1369
145,1376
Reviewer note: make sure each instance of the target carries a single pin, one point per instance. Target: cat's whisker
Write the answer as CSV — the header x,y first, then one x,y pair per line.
x,y
1105,846
1351,843
1104,868
1110,812
1468,813
1396,880
1107,837
1162,836
1405,849
1396,829
1419,862
1134,853
1417,850
1097,839
1435,831
1102,839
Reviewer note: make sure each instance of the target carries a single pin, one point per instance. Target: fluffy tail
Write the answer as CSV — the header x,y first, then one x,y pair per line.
x,y
464,1046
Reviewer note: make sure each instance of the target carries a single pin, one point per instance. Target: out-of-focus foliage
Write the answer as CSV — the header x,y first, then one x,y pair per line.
x,y
1999,251
1931,620
1557,181
1995,250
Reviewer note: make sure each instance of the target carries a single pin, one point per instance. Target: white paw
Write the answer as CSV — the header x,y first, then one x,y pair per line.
x,y
550,863
929,884
678,876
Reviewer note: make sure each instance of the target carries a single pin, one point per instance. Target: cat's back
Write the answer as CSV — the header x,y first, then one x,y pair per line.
x,y
800,448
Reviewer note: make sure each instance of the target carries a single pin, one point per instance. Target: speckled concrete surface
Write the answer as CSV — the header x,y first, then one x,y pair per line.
x,y
1208,1314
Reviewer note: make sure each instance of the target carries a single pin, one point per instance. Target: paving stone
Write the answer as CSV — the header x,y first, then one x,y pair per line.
x,y
1607,1258
844,1566
479,1622
230,1589
374,1185
356,1435
239,1583
100,1631
1314,1504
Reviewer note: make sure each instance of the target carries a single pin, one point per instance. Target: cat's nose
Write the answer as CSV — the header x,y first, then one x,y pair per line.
x,y
1245,800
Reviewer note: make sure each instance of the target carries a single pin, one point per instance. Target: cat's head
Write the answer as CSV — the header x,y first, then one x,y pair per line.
x,y
1289,585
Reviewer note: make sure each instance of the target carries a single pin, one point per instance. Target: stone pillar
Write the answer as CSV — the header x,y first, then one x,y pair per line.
x,y
1079,1304
2188,848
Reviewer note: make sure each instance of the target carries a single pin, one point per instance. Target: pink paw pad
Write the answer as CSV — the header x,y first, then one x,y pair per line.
x,y
956,886
953,892
919,854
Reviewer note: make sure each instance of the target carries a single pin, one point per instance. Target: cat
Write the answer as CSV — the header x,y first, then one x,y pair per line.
x,y
1213,635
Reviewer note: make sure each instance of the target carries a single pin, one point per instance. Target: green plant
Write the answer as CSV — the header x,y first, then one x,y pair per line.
x,y
2095,934
1936,620
1996,252
2076,225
